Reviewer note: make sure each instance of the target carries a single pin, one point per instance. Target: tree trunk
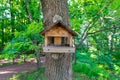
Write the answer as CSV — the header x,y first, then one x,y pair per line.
x,y
57,69
54,7
12,21
112,39
2,33
37,53
39,11
24,58
27,3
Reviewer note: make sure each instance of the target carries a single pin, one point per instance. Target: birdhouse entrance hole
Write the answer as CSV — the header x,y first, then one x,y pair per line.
x,y
50,41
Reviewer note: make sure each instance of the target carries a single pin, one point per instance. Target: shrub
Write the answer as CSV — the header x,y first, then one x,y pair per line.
x,y
90,70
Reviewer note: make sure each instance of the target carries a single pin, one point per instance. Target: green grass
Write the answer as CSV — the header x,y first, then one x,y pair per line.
x,y
93,72
37,74
81,71
89,70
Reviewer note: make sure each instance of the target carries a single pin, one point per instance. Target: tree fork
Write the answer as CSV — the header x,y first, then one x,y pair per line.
x,y
60,68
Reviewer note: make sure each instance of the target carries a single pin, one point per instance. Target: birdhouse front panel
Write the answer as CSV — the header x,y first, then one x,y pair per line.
x,y
58,36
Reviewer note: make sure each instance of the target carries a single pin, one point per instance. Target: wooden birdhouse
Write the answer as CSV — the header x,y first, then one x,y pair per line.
x,y
58,38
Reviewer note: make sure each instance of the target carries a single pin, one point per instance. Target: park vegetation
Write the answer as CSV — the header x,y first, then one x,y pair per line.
x,y
97,23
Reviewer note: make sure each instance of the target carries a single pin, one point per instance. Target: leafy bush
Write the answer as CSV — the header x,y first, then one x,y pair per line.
x,y
23,41
89,70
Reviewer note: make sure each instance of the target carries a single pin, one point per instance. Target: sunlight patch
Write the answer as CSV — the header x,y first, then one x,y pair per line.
x,y
6,72
92,49
93,56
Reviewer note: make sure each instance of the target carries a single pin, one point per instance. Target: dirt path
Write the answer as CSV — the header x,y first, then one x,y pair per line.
x,y
8,71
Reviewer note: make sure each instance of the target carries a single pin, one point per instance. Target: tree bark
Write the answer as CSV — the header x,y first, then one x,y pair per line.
x,y
57,69
54,7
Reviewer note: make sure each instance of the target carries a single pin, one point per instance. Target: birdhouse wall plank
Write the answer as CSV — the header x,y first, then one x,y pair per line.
x,y
46,41
71,40
57,41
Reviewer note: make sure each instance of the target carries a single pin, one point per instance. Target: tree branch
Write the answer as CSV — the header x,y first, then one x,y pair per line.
x,y
95,17
106,29
39,10
84,35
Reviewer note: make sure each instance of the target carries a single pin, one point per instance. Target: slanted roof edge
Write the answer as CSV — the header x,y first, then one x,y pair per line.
x,y
63,25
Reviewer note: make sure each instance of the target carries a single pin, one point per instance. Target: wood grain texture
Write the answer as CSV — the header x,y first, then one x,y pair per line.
x,y
59,49
58,31
57,41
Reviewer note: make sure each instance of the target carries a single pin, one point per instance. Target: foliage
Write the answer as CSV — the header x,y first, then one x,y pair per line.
x,y
95,66
23,41
95,21
86,64
98,39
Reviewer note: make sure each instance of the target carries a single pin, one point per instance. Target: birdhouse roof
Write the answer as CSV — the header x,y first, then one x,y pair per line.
x,y
61,24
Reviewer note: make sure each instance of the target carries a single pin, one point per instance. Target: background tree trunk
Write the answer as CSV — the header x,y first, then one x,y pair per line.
x,y
12,22
112,39
59,69
37,53
27,3
2,33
